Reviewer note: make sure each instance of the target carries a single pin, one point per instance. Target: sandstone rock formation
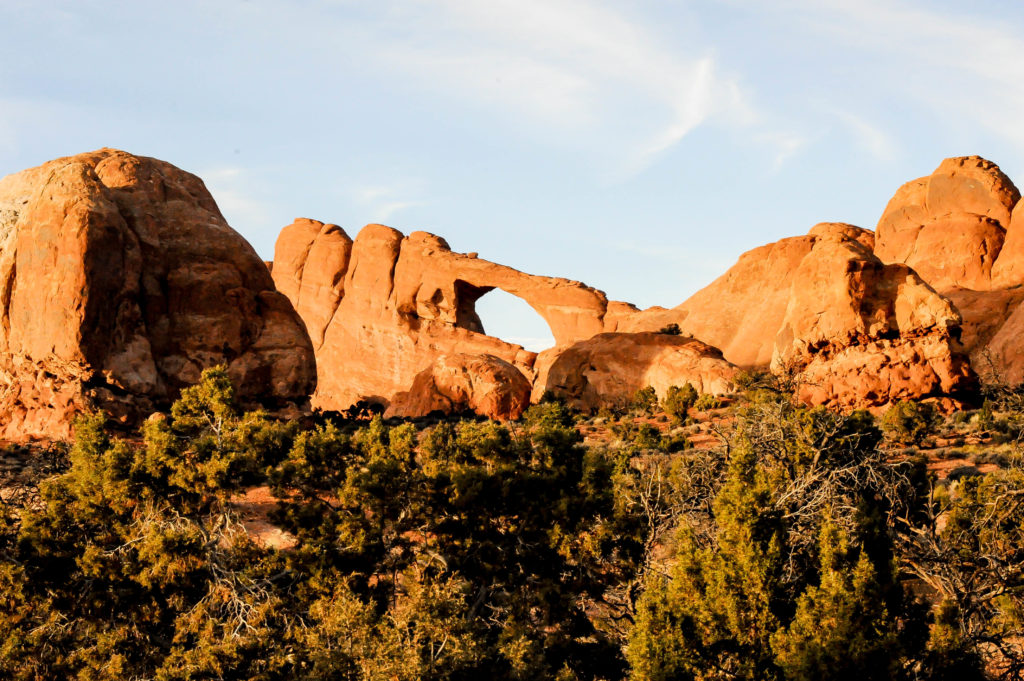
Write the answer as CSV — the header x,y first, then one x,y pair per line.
x,y
482,384
962,229
609,368
860,332
383,308
951,225
120,282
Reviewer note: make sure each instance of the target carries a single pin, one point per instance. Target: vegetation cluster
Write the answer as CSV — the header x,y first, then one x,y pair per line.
x,y
799,544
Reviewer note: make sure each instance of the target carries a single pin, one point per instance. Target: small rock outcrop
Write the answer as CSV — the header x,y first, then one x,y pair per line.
x,y
120,281
482,384
861,333
610,368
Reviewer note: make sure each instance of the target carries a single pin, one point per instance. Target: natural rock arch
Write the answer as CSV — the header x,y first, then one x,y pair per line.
x,y
383,307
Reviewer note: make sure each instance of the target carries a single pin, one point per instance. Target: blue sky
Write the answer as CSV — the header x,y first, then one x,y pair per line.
x,y
637,146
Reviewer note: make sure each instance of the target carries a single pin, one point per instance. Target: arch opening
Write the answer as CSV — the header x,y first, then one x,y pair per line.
x,y
510,318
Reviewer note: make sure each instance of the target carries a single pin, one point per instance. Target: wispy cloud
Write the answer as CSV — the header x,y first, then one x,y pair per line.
x,y
870,137
583,71
784,144
959,64
380,202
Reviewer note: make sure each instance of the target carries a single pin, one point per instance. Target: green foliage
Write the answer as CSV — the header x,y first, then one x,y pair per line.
x,y
510,528
707,402
480,550
909,422
789,547
637,435
678,401
843,623
645,400
980,610
670,329
134,565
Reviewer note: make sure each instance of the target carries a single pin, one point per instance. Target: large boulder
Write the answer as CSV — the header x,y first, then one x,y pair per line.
x,y
121,281
1009,266
949,226
312,260
482,384
861,333
610,368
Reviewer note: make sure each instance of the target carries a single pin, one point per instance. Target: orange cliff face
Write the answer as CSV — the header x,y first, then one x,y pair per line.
x,y
122,281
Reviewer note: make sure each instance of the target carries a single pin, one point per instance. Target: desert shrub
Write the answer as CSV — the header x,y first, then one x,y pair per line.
x,y
637,435
675,443
961,417
994,457
707,402
670,329
908,422
789,574
965,562
677,402
645,401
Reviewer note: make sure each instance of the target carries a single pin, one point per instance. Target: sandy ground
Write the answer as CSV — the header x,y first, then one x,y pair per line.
x,y
254,509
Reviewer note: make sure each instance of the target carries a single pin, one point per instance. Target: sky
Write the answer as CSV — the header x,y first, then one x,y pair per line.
x,y
639,146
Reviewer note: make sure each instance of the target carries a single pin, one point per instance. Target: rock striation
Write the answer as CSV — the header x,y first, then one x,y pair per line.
x,y
120,281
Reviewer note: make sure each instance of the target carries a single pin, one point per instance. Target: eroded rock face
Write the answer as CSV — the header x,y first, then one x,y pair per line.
x,y
861,332
120,282
482,384
962,229
609,368
822,303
